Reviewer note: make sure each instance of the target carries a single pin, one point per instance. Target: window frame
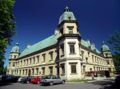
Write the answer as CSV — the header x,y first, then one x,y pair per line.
x,y
71,48
44,57
73,68
70,29
51,55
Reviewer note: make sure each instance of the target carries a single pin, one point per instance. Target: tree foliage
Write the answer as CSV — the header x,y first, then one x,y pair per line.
x,y
114,41
7,26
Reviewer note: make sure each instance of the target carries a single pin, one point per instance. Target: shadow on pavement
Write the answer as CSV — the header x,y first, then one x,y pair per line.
x,y
106,84
5,84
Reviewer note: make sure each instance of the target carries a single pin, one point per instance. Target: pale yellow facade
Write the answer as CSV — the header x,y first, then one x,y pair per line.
x,y
36,65
69,57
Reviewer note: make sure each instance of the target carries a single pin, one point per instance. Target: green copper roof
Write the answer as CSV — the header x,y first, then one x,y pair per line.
x,y
40,45
105,47
16,48
67,15
51,41
89,45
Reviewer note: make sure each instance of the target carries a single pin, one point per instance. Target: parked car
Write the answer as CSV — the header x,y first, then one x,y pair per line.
x,y
2,78
51,79
11,78
26,79
36,80
20,79
8,78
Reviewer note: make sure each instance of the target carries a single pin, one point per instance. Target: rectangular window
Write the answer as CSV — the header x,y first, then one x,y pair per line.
x,y
37,71
9,64
43,70
63,69
51,55
108,62
43,57
13,64
70,29
27,61
72,48
33,60
30,60
95,59
87,59
83,69
92,58
51,70
37,59
62,50
15,56
82,54
73,69
21,63
24,62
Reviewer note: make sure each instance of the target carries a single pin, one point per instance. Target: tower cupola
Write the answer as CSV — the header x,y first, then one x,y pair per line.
x,y
15,51
16,48
67,15
106,50
68,24
105,47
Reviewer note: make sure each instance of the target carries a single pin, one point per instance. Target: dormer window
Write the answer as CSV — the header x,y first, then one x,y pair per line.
x,y
16,50
70,29
106,54
69,18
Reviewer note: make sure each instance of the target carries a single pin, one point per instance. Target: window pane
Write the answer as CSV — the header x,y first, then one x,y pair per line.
x,y
73,68
51,70
70,29
43,57
51,55
72,49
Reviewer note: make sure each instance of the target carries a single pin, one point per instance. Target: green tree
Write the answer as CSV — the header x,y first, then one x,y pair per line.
x,y
114,41
7,27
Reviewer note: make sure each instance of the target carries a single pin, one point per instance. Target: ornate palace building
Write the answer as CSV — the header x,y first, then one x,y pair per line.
x,y
64,53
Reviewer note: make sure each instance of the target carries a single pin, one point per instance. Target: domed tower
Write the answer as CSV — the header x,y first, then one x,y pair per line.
x,y
106,50
108,57
14,54
68,44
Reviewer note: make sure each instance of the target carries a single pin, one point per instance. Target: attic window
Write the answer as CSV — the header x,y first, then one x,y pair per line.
x,y
15,50
106,54
69,17
70,29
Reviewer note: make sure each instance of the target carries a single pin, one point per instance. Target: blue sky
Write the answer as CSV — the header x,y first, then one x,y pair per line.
x,y
37,19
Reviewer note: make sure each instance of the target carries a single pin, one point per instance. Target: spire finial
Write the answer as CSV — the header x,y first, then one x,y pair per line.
x,y
17,44
103,42
66,9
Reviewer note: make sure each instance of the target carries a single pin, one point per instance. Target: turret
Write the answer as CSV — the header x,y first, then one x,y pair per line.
x,y
15,52
108,57
106,50
68,24
68,42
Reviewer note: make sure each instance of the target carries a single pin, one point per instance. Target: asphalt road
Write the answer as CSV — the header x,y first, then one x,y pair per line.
x,y
93,85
